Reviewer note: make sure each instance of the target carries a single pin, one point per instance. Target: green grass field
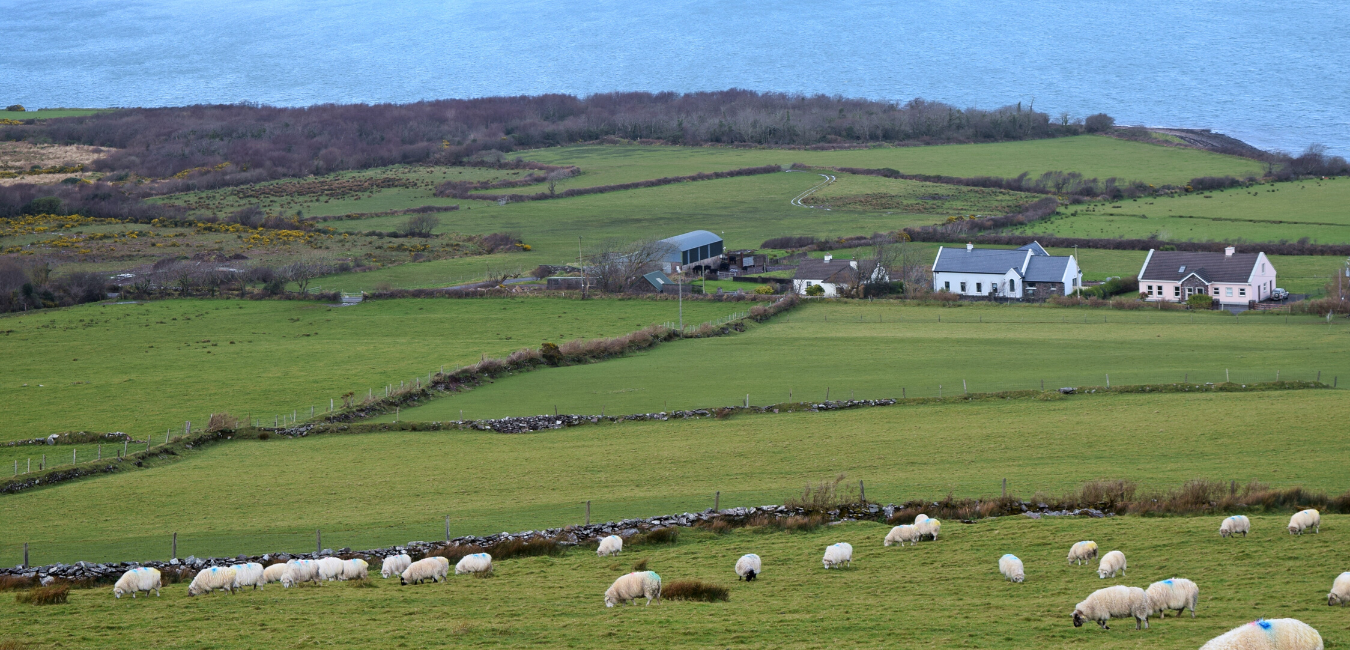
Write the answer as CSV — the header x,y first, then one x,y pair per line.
x,y
148,367
48,113
886,349
945,594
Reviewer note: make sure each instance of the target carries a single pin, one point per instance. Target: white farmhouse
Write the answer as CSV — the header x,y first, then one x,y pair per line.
x,y
836,277
1028,272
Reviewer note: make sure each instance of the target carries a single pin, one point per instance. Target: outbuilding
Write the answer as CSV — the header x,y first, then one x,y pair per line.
x,y
698,247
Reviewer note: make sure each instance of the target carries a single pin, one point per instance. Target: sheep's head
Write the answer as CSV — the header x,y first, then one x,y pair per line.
x,y
117,592
749,576
1293,528
1078,618
1333,599
609,601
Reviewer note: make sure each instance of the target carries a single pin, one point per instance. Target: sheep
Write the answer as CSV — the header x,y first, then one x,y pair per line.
x,y
355,569
1119,601
611,545
248,574
274,572
1083,551
919,519
1011,568
1303,520
1234,525
330,568
929,528
475,563
1173,593
1268,634
1340,590
394,565
434,569
298,571
211,579
902,534
136,580
639,584
1111,563
748,567
838,554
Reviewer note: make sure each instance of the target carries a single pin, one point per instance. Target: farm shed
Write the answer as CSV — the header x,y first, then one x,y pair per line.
x,y
695,248
659,282
1230,278
1024,273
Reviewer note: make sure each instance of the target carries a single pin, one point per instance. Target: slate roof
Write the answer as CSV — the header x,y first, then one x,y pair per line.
x,y
1044,268
1034,247
1167,266
980,260
835,271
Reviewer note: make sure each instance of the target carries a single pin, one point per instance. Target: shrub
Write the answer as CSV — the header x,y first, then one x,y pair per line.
x,y
789,242
1200,301
51,595
825,495
815,290
42,205
222,422
764,290
695,590
1099,123
15,108
794,523
421,225
718,526
15,583
640,565
668,535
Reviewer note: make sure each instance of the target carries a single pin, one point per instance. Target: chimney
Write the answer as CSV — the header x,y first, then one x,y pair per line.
x,y
970,246
828,257
853,263
1228,252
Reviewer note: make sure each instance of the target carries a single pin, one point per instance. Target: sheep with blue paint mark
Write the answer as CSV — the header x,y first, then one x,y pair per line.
x,y
929,528
1082,552
903,534
837,555
212,579
748,567
1272,634
137,580
1011,568
434,569
611,545
1173,593
1118,601
394,565
298,571
1234,525
475,563
1303,520
639,584
249,574
355,569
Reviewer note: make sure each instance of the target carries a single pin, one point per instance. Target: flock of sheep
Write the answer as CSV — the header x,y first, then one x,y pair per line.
x,y
1101,606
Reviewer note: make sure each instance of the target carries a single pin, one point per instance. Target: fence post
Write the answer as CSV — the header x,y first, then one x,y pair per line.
x,y
1108,380
318,541
747,400
902,393
100,452
25,555
73,455
717,501
588,513
1005,488
44,463
447,529
124,446
175,546
1227,380
862,492
1319,375
963,387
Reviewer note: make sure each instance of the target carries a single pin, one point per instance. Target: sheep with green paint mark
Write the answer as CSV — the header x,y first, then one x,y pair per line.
x,y
639,584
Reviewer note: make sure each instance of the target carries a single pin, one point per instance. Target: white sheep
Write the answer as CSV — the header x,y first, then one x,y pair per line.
x,y
1173,593
330,568
274,572
1303,520
1112,563
838,554
611,545
136,580
209,580
1234,525
1082,552
249,574
355,569
298,571
748,567
475,563
1268,634
1340,590
394,565
920,518
929,528
1118,601
639,584
1011,568
902,534
434,569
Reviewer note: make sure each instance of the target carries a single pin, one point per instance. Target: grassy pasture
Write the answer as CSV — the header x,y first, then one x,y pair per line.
x,y
945,594
886,349
142,368
49,113
375,489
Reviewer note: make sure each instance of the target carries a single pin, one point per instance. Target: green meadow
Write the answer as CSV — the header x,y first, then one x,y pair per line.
x,y
943,594
48,113
144,368
887,349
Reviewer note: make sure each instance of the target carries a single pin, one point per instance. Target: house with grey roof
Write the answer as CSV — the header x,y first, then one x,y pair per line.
x,y
836,277
1026,273
1230,278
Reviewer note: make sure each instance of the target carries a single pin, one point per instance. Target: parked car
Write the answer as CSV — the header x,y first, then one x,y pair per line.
x,y
1279,294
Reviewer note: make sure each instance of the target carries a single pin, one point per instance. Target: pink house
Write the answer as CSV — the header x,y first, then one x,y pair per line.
x,y
1229,278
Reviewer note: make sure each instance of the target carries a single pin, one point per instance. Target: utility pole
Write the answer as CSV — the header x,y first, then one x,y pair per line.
x,y
680,290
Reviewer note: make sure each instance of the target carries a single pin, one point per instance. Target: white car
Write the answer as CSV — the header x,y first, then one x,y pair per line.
x,y
1279,294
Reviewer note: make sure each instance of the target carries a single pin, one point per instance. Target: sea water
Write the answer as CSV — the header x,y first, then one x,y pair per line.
x,y
1270,72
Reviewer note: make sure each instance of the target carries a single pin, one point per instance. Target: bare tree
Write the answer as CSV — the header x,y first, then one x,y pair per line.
x,y
910,266
304,270
421,225
250,216
617,267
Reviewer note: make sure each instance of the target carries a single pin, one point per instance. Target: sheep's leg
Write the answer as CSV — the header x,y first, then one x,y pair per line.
x,y
1103,625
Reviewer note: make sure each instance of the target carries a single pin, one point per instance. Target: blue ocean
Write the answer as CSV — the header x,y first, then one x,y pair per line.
x,y
1271,73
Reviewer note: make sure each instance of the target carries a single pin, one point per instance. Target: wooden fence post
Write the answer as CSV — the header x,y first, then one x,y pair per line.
x,y
1005,488
717,501
318,541
100,451
862,492
588,513
74,455
175,545
124,446
25,555
963,387
902,393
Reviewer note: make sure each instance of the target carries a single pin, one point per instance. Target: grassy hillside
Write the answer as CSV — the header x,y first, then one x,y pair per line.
x,y
393,487
945,594
142,368
884,349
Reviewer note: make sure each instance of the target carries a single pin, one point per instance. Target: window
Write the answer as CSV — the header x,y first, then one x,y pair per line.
x,y
1228,290
946,286
1012,286
963,287
1216,291
1242,291
1176,291
1150,289
979,287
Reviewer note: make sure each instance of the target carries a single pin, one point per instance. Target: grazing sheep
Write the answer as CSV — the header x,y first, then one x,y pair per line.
x,y
1340,590
330,568
1011,568
434,569
394,565
248,575
1234,525
1303,520
298,571
1082,552
274,572
929,528
1112,563
1119,601
639,584
1272,634
209,580
476,563
611,545
355,569
920,518
1173,593
901,535
748,567
143,579
838,554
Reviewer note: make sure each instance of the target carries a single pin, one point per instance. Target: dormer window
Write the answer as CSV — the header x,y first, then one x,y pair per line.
x,y
1182,269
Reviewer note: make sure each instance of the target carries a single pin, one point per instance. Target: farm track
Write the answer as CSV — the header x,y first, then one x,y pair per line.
x,y
797,200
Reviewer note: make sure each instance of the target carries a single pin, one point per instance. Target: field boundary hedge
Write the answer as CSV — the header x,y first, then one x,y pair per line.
x,y
463,189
